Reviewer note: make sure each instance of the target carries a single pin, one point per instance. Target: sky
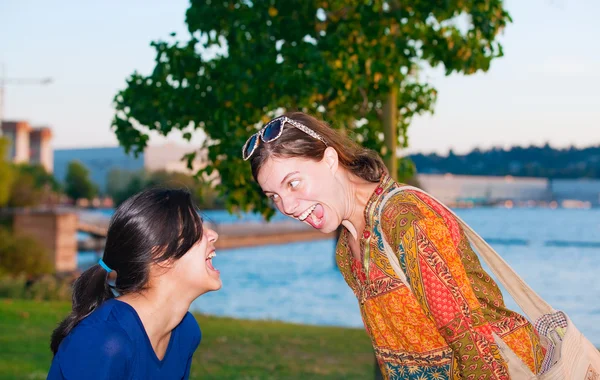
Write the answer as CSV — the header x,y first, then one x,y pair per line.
x,y
545,88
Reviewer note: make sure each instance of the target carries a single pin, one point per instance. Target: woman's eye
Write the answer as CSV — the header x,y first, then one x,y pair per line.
x,y
294,184
274,197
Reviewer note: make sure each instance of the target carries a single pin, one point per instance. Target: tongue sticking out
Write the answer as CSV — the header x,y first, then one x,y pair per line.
x,y
318,211
315,219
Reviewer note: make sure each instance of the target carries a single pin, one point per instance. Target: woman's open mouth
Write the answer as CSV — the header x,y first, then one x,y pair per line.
x,y
209,261
313,216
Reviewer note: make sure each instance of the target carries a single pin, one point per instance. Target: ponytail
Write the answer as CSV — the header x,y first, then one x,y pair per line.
x,y
90,290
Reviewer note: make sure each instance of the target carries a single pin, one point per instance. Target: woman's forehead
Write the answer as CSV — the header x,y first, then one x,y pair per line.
x,y
275,169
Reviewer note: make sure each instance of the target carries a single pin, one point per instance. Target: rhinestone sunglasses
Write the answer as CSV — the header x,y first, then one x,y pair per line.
x,y
272,131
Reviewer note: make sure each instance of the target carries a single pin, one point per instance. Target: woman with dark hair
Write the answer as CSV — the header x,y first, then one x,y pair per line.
x,y
162,257
430,309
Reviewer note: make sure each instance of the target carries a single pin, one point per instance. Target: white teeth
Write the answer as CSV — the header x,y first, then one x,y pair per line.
x,y
212,254
306,213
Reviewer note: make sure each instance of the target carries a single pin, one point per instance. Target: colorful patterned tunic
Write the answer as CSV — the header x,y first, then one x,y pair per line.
x,y
442,326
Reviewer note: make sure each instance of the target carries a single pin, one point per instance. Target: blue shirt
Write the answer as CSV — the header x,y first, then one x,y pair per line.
x,y
111,343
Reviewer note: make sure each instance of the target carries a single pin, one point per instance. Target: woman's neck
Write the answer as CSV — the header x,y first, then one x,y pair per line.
x,y
160,308
357,192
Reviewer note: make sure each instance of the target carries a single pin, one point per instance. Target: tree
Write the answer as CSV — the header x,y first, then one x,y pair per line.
x,y
122,185
23,255
354,63
23,192
6,174
32,185
78,183
41,178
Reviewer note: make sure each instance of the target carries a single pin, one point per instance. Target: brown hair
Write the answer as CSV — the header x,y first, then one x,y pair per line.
x,y
362,162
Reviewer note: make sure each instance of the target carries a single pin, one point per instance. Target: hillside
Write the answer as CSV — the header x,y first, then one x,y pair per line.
x,y
532,161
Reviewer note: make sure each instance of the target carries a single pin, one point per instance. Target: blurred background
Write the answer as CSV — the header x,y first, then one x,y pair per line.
x,y
490,106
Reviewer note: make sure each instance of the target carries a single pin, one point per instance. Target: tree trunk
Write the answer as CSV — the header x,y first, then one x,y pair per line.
x,y
390,136
390,130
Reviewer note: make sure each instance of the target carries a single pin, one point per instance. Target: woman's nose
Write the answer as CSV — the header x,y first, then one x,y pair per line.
x,y
212,235
289,205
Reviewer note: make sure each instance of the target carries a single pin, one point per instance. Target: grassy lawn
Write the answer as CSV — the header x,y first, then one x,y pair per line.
x,y
230,348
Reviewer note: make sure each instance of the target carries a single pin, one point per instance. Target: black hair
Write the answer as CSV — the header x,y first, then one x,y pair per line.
x,y
152,226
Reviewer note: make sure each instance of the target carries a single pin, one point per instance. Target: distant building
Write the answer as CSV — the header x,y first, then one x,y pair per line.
x,y
40,149
29,145
101,161
168,157
17,133
487,190
479,190
582,190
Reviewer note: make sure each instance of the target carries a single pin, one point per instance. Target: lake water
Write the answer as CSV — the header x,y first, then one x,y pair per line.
x,y
557,252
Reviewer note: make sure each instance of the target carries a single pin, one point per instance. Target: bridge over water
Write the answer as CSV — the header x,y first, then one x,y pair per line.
x,y
231,235
57,229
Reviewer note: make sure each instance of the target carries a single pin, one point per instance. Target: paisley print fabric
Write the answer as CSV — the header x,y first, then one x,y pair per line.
x,y
441,326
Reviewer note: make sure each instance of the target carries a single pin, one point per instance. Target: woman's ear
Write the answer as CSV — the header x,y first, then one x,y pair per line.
x,y
331,159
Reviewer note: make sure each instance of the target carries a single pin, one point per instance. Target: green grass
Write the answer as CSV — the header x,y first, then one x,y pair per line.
x,y
230,348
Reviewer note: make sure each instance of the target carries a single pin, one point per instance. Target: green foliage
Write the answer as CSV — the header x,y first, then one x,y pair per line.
x,y
122,185
406,169
24,185
23,255
44,288
23,192
543,161
6,173
337,59
49,288
207,197
13,286
77,182
41,178
32,185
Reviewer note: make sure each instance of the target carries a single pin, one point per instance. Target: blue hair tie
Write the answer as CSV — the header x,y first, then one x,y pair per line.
x,y
103,265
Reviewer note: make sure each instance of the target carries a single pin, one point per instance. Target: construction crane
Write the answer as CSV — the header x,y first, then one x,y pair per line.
x,y
16,81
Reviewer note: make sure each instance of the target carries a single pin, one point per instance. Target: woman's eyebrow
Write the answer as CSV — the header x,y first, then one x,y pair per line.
x,y
288,175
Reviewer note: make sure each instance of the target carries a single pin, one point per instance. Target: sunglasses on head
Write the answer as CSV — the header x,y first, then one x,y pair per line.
x,y
272,131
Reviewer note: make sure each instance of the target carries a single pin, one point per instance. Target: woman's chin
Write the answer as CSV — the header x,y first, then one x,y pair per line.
x,y
213,286
328,228
211,283
218,285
